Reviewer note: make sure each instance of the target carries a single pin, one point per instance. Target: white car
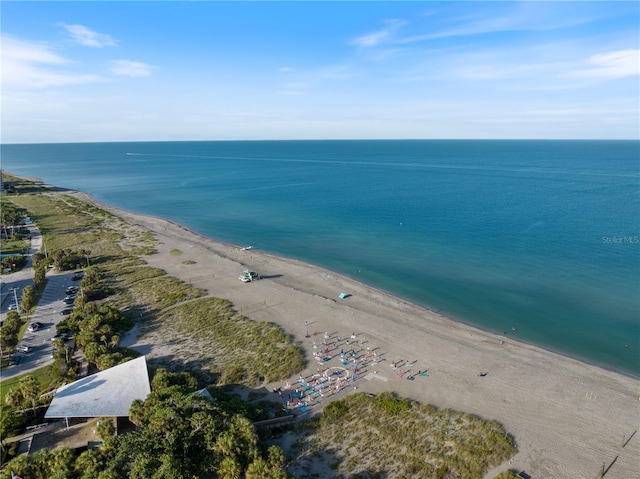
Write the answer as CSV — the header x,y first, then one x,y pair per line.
x,y
13,307
23,349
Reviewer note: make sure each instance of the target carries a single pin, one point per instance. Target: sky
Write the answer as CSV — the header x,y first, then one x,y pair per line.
x,y
211,70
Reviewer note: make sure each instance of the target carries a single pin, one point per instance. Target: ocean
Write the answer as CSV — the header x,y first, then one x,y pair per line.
x,y
538,239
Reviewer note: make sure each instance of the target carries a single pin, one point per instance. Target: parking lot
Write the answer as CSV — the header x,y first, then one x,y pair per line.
x,y
35,348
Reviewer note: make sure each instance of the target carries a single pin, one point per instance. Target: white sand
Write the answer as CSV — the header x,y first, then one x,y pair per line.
x,y
569,418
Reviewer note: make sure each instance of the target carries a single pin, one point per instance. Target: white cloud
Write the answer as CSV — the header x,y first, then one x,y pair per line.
x,y
616,64
130,68
381,36
33,65
16,49
87,37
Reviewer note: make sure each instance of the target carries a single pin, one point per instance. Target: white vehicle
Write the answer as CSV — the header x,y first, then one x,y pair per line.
x,y
249,276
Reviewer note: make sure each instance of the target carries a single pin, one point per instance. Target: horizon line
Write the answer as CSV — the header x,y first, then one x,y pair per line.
x,y
313,139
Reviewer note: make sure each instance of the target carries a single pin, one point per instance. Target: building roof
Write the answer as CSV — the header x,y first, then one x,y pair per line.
x,y
105,394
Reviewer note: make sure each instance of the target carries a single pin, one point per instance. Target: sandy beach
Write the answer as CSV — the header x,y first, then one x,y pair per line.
x,y
569,419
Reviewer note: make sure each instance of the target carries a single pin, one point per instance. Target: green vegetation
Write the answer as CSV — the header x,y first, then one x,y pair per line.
x,y
175,252
179,435
42,375
14,246
387,436
9,332
507,475
232,347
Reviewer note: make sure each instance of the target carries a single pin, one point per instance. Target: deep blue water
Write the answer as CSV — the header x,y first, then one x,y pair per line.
x,y
537,235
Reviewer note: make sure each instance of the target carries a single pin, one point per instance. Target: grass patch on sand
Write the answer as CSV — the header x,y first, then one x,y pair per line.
x,y
65,225
387,436
203,333
233,348
175,252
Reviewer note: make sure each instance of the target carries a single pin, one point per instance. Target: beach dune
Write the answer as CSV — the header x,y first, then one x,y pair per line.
x,y
569,419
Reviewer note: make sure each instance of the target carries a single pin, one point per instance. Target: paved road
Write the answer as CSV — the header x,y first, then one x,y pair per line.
x,y
22,278
47,312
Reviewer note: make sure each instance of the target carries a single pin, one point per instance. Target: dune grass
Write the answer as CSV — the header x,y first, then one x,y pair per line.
x,y
234,349
386,436
204,332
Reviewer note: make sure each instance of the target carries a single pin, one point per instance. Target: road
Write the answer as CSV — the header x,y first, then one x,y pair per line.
x,y
46,312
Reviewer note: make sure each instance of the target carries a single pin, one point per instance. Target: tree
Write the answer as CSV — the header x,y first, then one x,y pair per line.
x,y
29,388
137,412
39,277
41,463
21,465
105,429
275,457
89,464
8,340
163,380
62,462
229,468
15,398
28,298
258,469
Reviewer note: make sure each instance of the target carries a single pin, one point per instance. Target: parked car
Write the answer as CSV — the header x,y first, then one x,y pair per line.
x,y
77,276
66,311
35,327
72,290
13,307
249,276
69,299
14,359
63,336
23,348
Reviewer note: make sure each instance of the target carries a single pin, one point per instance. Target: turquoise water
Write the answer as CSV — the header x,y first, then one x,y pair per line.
x,y
541,236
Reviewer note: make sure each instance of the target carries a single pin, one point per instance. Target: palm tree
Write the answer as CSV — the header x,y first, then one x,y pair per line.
x,y
62,462
88,463
227,446
15,398
275,456
29,388
258,469
229,468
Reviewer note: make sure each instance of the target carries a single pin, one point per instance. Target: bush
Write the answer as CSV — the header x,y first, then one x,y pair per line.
x,y
105,429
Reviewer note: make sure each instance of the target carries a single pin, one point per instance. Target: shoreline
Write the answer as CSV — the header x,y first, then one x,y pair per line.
x,y
568,417
349,277
91,199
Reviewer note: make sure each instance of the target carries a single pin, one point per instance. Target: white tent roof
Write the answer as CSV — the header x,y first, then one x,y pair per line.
x,y
104,394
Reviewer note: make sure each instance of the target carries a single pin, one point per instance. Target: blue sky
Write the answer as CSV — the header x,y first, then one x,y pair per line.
x,y
198,70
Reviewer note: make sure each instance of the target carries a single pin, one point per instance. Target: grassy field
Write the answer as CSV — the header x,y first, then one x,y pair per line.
x,y
42,375
14,246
